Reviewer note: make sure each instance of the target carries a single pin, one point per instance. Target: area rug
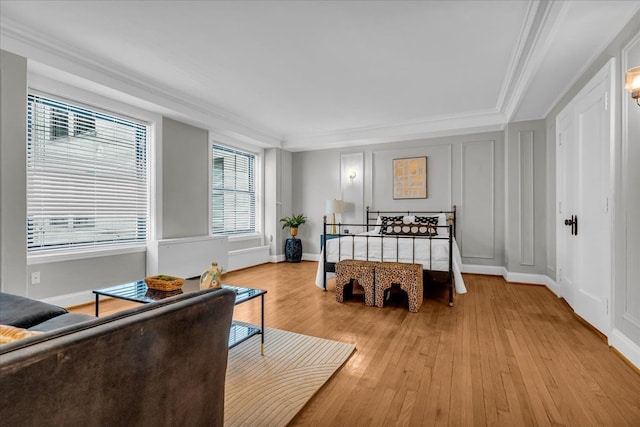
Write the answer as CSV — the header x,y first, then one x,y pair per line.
x,y
270,390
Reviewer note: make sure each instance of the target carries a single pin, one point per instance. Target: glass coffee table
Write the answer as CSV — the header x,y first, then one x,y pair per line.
x,y
139,292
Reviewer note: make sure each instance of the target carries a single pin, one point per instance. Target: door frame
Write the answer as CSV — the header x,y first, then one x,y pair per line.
x,y
608,71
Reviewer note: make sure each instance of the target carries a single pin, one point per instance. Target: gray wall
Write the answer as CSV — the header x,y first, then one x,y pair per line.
x,y
467,171
185,178
317,179
526,197
184,209
277,197
13,131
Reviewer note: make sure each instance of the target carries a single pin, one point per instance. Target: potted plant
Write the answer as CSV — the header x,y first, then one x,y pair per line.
x,y
293,222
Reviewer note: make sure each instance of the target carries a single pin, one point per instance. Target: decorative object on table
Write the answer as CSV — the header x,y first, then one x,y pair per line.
x,y
211,277
158,295
293,250
163,282
293,222
410,178
334,207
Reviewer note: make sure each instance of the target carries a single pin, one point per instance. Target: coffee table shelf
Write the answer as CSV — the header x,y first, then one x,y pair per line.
x,y
139,292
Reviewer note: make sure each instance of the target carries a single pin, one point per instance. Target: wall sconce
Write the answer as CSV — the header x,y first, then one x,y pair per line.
x,y
334,207
632,83
352,175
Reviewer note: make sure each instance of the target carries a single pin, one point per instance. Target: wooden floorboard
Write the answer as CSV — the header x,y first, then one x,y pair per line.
x,y
505,354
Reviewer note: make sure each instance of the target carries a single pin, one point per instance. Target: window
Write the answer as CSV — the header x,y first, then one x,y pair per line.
x,y
59,123
86,177
233,196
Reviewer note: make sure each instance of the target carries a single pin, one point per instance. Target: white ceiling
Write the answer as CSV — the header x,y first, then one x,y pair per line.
x,y
315,74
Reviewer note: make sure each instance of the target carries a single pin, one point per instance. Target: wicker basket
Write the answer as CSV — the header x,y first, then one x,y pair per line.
x,y
164,283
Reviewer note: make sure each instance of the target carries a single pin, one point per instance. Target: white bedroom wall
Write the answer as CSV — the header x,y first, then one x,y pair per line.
x,y
465,170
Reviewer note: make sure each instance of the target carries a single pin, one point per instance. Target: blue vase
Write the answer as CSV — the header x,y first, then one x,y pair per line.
x,y
293,250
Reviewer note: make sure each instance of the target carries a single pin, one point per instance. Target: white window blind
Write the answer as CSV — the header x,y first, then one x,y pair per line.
x,y
86,177
233,197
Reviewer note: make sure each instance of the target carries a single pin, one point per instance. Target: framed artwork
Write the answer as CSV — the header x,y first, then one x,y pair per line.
x,y
410,178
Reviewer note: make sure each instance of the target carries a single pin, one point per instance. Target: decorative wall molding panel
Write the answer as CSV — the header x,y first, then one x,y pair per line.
x,y
527,236
477,216
352,189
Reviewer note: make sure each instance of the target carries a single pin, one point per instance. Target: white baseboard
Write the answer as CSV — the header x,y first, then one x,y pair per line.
x,y
533,279
70,300
243,258
491,270
305,257
553,286
276,259
625,346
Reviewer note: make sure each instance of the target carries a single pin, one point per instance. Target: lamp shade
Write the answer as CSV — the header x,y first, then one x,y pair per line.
x,y
334,206
632,80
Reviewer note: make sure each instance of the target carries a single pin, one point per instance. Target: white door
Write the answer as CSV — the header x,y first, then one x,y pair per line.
x,y
583,191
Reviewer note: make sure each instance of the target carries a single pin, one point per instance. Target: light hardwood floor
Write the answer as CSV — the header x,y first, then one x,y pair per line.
x,y
505,355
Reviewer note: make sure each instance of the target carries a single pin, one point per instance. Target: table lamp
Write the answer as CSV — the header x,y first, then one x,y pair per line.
x,y
334,207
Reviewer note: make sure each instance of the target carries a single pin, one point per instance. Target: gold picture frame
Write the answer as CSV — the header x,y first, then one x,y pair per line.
x,y
410,178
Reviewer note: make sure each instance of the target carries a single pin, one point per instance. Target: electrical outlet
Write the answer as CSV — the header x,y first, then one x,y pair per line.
x,y
35,277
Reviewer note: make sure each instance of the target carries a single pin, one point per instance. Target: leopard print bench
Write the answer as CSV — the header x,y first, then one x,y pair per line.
x,y
408,276
362,271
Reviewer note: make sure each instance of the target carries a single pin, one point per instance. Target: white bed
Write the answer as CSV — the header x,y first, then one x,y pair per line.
x,y
432,253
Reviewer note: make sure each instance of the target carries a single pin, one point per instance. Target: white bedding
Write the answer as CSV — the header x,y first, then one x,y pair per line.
x,y
387,247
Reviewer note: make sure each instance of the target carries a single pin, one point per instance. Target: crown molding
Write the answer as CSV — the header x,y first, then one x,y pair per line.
x,y
473,122
540,25
520,52
35,46
225,126
545,20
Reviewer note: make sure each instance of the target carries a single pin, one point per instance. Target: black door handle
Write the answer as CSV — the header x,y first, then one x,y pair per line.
x,y
573,222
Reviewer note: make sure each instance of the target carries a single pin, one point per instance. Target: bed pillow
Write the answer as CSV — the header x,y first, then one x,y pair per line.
x,y
389,221
421,226
426,225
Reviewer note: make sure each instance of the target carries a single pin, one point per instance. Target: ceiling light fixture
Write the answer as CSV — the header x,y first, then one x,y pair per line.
x,y
632,83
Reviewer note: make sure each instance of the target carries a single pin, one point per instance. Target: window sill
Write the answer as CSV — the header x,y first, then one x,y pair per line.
x,y
71,255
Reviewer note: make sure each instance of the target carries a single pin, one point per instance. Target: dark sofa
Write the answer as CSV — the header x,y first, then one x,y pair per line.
x,y
162,363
